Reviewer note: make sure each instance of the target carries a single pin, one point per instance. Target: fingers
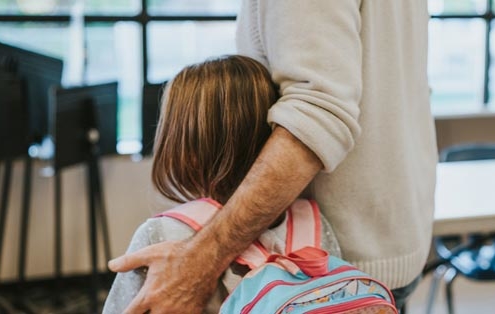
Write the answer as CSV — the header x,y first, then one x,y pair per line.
x,y
138,304
129,261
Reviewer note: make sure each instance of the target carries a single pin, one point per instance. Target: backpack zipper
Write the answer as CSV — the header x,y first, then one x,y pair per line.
x,y
353,305
248,307
280,309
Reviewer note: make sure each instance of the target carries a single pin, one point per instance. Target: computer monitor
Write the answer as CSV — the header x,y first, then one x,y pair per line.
x,y
152,94
13,117
75,113
39,72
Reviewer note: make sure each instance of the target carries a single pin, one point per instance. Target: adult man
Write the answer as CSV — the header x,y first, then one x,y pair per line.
x,y
352,129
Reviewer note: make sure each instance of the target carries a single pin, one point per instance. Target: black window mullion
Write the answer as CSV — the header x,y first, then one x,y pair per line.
x,y
34,18
144,39
458,16
486,74
199,18
486,77
488,17
143,17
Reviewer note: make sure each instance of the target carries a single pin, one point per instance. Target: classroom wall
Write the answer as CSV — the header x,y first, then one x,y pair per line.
x,y
129,199
452,131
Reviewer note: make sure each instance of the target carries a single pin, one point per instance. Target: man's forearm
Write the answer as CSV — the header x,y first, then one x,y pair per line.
x,y
283,169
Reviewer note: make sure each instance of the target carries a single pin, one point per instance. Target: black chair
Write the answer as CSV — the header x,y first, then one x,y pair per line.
x,y
472,256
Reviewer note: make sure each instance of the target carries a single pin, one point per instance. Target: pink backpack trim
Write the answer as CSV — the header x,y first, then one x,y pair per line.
x,y
303,226
307,224
253,256
195,214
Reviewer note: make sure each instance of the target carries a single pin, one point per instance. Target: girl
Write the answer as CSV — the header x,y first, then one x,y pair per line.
x,y
211,129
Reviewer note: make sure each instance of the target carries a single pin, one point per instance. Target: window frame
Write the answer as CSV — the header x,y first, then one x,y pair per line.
x,y
142,18
488,17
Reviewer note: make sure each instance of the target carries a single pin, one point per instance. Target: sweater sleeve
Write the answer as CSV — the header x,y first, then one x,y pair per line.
x,y
313,50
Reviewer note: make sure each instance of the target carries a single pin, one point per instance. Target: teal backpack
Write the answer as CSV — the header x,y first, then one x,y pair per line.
x,y
306,279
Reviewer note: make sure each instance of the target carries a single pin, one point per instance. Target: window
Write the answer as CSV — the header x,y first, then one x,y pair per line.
x,y
456,68
141,41
131,41
460,49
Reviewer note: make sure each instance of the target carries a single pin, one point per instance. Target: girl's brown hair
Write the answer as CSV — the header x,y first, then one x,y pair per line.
x,y
212,127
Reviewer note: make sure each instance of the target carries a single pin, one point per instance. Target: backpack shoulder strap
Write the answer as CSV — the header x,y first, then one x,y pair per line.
x,y
303,229
303,225
195,214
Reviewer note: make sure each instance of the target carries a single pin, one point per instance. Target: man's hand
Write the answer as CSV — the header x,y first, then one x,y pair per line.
x,y
176,281
182,276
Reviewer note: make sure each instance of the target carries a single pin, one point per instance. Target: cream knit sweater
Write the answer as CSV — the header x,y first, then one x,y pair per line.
x,y
352,76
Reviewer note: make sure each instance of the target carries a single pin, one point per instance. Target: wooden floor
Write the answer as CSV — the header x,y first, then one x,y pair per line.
x,y
48,296
470,297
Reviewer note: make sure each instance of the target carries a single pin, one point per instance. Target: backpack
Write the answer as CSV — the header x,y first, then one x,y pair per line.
x,y
306,279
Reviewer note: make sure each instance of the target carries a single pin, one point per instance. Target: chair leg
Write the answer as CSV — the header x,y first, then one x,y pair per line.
x,y
4,201
449,278
437,275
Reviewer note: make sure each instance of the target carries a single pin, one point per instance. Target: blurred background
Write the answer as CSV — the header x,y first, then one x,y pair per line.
x,y
142,42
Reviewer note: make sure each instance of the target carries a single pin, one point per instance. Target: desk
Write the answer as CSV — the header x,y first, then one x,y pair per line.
x,y
465,197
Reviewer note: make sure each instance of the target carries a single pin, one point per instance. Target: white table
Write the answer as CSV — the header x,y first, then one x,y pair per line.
x,y
465,197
